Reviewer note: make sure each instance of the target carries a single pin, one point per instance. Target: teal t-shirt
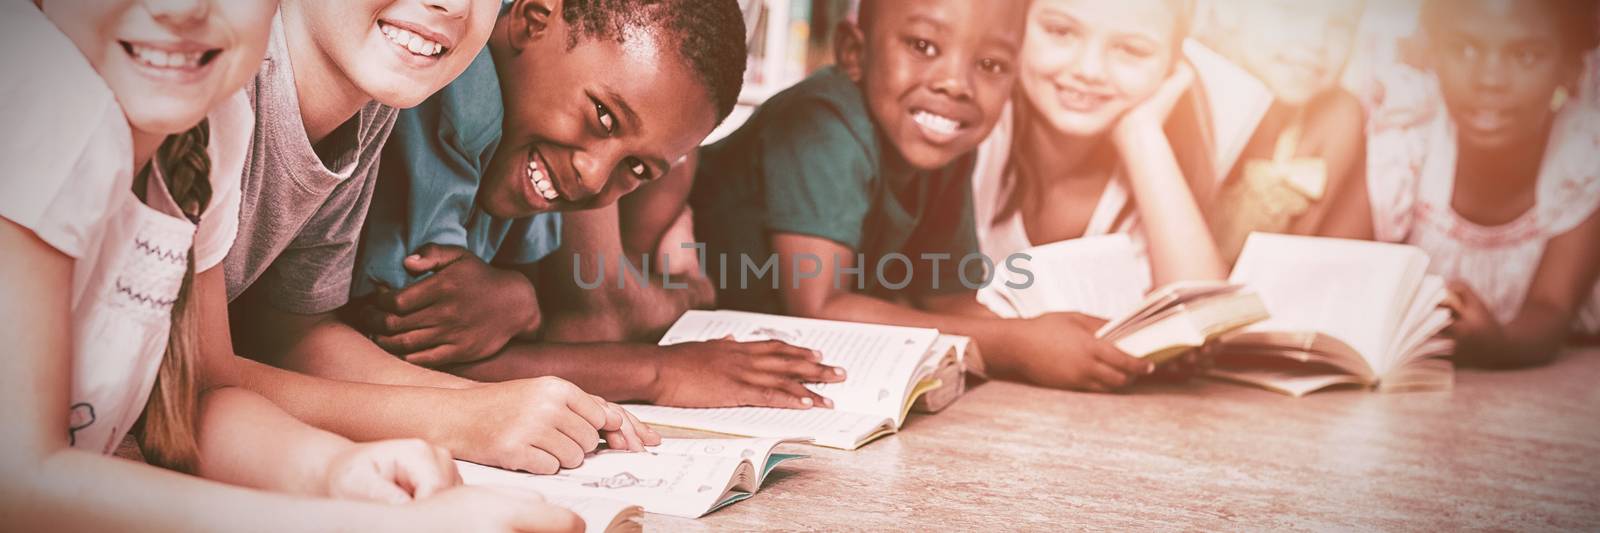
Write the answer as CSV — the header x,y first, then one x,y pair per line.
x,y
811,162
428,183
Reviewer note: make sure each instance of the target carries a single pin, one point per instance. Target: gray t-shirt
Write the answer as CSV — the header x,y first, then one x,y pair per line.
x,y
301,217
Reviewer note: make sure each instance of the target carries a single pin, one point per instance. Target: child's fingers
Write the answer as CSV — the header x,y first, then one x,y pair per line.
x,y
1166,97
411,299
804,396
799,370
613,413
540,517
1107,354
532,460
375,320
432,257
784,349
409,342
561,445
441,355
422,471
647,435
1109,377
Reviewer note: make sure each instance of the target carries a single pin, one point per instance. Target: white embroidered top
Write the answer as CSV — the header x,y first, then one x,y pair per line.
x,y
69,153
1411,180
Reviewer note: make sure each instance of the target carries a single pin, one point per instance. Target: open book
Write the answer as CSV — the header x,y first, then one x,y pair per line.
x,y
1344,312
887,368
1103,277
681,477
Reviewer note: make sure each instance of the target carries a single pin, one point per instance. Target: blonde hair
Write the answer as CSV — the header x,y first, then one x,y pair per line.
x,y
168,430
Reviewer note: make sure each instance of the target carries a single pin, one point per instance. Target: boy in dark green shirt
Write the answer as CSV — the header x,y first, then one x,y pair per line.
x,y
847,197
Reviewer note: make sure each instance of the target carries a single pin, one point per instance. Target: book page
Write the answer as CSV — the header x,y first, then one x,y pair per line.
x,y
1425,319
757,451
879,361
1353,291
1098,276
828,427
1296,384
600,515
678,485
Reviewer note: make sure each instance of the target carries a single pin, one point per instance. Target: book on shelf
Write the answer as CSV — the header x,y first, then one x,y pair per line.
x,y
1103,276
681,477
1344,312
888,371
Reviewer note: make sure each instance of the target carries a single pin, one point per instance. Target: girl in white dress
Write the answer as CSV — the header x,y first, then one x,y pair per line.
x,y
126,134
1498,177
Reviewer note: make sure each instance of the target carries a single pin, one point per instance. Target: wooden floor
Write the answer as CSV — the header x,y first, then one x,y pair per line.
x,y
1515,450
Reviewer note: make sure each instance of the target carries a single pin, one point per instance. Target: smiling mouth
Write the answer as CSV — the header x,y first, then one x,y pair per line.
x,y
411,41
157,58
937,125
539,179
1080,100
1486,120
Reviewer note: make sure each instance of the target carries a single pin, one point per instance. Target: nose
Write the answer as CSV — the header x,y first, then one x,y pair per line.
x,y
594,168
1089,65
1491,73
178,13
953,78
449,8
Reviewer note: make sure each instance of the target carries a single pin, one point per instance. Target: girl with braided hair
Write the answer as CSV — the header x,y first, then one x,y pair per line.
x,y
125,143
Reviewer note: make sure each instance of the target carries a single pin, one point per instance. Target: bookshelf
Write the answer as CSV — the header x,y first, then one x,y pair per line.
x,y
788,40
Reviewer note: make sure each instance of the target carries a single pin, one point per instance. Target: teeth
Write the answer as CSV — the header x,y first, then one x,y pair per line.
x,y
153,57
416,44
936,123
542,184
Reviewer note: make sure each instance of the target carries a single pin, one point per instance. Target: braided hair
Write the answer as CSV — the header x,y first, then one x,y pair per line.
x,y
167,431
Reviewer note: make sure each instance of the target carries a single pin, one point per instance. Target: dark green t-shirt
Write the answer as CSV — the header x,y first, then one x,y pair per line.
x,y
811,162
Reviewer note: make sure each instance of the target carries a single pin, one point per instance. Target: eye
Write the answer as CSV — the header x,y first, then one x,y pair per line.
x,y
638,168
1527,58
608,122
1058,30
924,47
992,66
1133,51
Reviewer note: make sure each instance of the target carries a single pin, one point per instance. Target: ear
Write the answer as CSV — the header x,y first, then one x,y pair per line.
x,y
530,21
849,45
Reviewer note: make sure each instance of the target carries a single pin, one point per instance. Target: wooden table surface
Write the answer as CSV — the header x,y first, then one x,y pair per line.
x,y
1515,450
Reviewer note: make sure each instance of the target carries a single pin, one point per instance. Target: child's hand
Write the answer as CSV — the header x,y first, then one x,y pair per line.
x,y
623,431
486,509
1149,116
724,373
1475,328
1187,366
466,311
391,471
535,425
1059,350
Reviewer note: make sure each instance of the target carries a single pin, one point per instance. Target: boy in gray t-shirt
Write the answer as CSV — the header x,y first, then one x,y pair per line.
x,y
325,101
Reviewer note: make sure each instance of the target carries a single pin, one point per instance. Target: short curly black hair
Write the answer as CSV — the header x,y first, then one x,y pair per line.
x,y
710,35
1576,21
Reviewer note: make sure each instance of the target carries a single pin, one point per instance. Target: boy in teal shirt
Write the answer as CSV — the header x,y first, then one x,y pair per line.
x,y
464,204
851,189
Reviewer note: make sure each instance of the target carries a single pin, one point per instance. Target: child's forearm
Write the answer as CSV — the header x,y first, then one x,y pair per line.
x,y
618,372
1180,243
245,440
324,346
359,411
636,312
1533,338
71,490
